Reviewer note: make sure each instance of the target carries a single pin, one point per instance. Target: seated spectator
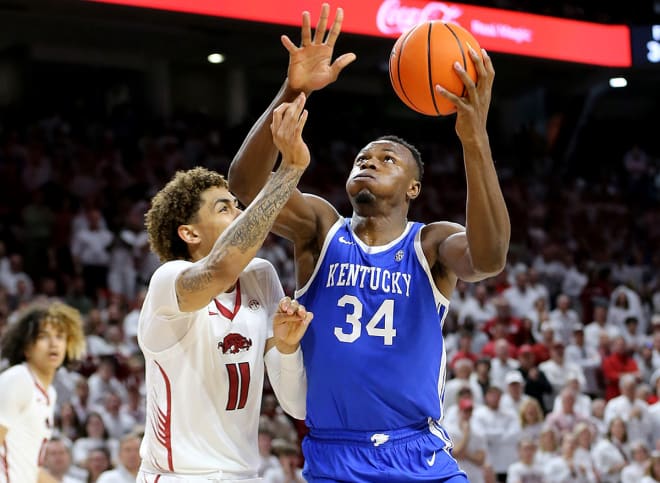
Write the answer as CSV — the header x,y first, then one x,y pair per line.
x,y
630,409
598,416
500,428
462,371
526,469
104,381
502,364
288,470
464,349
57,461
582,401
481,376
548,445
563,318
510,325
653,472
584,437
586,357
611,453
565,420
558,370
599,327
81,402
513,396
96,463
634,471
469,446
479,308
95,435
566,467
536,384
265,440
67,424
531,419
499,334
118,422
127,467
520,296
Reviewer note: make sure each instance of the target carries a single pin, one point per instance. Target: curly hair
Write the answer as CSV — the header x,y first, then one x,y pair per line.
x,y
175,205
22,333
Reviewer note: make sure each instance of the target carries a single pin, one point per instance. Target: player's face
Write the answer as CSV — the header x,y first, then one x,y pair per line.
x,y
218,209
383,169
48,351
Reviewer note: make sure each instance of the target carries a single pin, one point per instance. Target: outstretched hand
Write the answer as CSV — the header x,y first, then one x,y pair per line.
x,y
286,127
289,324
310,66
472,110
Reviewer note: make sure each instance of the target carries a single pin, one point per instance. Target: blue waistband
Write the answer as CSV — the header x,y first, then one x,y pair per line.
x,y
373,438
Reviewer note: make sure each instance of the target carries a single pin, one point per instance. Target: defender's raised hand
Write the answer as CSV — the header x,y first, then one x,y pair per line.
x,y
288,121
472,110
310,65
289,324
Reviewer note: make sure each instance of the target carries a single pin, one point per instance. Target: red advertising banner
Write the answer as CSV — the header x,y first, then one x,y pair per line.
x,y
496,29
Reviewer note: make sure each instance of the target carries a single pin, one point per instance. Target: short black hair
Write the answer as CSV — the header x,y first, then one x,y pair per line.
x,y
417,156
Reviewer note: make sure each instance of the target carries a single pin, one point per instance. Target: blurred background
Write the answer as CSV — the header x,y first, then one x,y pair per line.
x,y
101,103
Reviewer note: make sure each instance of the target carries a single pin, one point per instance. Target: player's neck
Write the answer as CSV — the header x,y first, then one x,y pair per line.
x,y
43,376
378,230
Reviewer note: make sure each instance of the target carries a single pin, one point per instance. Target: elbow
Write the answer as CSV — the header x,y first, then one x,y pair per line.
x,y
236,181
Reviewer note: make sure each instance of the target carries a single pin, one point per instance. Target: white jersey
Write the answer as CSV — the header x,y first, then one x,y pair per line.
x,y
204,389
26,410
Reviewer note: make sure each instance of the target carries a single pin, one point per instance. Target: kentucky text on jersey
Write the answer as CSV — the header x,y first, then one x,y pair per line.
x,y
375,278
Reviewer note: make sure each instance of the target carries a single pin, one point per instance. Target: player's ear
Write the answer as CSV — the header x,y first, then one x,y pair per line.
x,y
188,234
413,190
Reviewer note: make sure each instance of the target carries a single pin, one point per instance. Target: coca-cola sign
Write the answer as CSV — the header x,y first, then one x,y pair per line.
x,y
496,29
394,18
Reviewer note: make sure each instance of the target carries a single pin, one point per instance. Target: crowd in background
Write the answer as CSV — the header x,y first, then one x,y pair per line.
x,y
553,366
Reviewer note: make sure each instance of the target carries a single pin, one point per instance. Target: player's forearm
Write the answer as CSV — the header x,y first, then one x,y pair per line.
x,y
488,228
255,159
286,373
238,244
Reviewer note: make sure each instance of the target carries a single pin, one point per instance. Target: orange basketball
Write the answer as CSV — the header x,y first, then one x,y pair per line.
x,y
424,57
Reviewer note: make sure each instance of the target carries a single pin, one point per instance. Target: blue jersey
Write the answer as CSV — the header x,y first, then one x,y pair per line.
x,y
374,353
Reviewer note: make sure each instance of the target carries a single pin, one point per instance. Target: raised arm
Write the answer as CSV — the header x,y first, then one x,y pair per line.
x,y
310,68
239,243
480,250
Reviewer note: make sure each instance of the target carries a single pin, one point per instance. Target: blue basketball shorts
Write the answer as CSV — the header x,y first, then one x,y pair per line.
x,y
420,453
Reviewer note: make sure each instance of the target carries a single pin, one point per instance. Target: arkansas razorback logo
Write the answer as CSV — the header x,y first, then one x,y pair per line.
x,y
234,343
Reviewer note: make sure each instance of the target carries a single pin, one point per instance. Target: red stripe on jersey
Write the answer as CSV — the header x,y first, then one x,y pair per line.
x,y
39,386
5,461
163,428
244,367
237,304
157,478
232,372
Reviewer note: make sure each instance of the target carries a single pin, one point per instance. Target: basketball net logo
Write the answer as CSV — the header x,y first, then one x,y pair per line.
x,y
393,18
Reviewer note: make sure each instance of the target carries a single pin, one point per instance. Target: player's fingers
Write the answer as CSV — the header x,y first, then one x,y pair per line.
x,y
306,30
457,101
341,62
293,307
322,24
478,63
284,304
488,62
288,44
467,80
336,28
301,122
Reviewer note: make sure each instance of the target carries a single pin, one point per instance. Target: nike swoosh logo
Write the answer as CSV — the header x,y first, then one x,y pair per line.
x,y
345,241
431,460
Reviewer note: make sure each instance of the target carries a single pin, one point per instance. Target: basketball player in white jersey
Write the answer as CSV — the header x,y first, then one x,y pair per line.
x,y
36,345
211,318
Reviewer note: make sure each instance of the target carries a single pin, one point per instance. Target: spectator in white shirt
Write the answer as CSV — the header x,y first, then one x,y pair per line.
x,y
634,471
129,461
462,370
531,419
653,471
520,296
502,364
537,285
564,421
525,470
558,370
593,331
585,356
459,297
631,410
288,470
513,397
610,454
57,461
566,467
564,318
582,401
118,423
478,308
469,445
501,429
104,381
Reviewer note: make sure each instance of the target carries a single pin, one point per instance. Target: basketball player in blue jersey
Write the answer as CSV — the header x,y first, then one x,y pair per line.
x,y
378,284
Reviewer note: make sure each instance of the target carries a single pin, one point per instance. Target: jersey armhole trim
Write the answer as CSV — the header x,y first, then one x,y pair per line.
x,y
439,297
328,238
